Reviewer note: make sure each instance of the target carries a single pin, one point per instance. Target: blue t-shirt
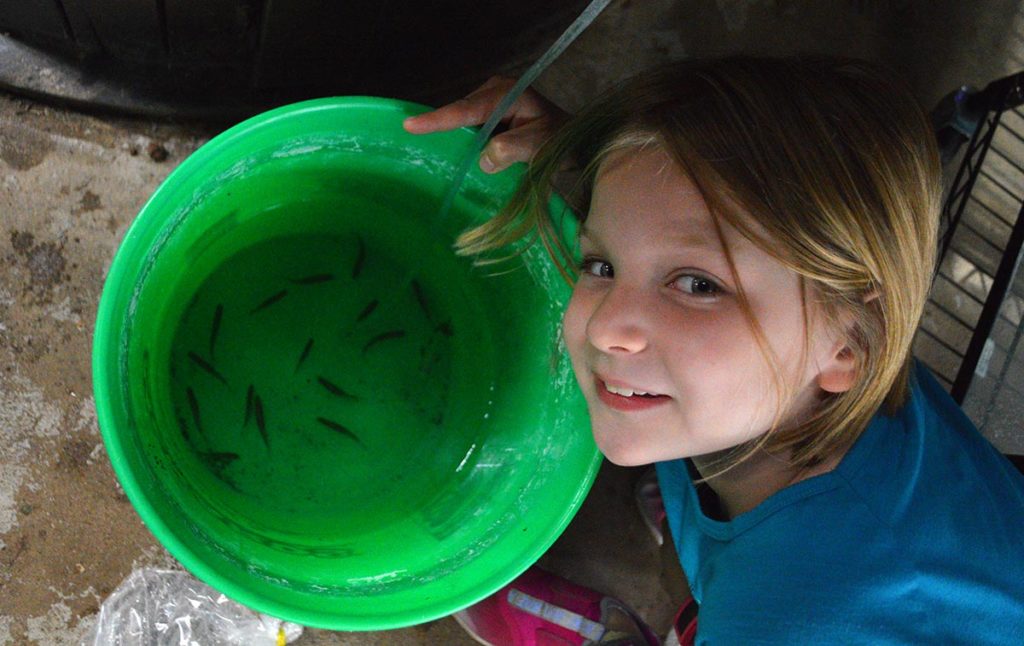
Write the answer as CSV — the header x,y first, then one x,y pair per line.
x,y
916,537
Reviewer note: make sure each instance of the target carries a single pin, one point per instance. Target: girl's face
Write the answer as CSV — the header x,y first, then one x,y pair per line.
x,y
655,311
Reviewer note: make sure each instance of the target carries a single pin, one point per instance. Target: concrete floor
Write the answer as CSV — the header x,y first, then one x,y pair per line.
x,y
70,184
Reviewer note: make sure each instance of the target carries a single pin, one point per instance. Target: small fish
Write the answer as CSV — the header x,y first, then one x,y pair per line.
x,y
221,460
445,328
248,405
335,390
367,310
184,429
334,426
215,328
421,298
193,404
305,353
199,361
270,301
260,422
384,336
312,280
360,258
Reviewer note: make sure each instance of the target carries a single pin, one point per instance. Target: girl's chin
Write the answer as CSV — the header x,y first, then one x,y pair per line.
x,y
624,454
625,462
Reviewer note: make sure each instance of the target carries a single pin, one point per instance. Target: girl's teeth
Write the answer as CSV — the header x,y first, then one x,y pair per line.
x,y
625,392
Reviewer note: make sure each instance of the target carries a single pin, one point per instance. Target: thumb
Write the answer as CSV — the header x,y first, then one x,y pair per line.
x,y
511,146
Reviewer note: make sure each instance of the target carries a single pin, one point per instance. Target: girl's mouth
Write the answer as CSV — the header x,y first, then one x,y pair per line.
x,y
626,399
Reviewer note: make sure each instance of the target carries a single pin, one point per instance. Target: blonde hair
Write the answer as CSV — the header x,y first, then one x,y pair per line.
x,y
833,157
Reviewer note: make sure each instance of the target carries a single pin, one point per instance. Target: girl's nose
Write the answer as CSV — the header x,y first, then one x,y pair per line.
x,y
617,324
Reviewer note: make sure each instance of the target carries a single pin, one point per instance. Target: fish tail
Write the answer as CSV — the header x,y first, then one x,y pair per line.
x,y
270,301
367,310
384,336
205,365
334,426
421,298
305,353
260,420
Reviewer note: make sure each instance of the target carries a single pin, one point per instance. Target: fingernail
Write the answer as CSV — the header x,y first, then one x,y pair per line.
x,y
486,164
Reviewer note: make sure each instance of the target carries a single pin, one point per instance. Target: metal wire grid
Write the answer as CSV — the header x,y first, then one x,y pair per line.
x,y
970,336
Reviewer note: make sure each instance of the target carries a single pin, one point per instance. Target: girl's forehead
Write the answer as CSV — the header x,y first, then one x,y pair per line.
x,y
645,184
651,157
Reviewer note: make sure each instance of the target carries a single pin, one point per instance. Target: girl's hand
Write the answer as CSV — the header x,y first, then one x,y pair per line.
x,y
530,120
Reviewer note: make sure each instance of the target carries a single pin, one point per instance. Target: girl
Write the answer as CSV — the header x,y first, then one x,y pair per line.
x,y
758,239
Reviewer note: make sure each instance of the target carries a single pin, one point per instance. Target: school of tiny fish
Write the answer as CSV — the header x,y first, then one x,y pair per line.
x,y
254,405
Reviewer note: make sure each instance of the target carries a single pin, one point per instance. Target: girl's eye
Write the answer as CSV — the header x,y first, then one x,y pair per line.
x,y
596,267
698,285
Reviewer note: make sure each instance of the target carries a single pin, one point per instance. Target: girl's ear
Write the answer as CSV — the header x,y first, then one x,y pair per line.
x,y
841,370
839,374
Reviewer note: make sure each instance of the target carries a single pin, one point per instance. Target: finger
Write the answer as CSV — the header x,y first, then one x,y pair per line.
x,y
471,110
447,117
518,145
531,106
476,107
528,106
464,112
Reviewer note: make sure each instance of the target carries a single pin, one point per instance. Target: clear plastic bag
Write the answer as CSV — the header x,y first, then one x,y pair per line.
x,y
171,608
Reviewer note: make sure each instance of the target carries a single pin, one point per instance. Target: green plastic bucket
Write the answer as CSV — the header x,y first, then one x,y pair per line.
x,y
311,401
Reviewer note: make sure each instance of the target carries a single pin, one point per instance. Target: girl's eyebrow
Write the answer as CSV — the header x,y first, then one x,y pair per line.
x,y
589,238
696,241
688,240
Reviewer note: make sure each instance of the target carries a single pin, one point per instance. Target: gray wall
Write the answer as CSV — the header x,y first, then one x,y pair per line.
x,y
936,46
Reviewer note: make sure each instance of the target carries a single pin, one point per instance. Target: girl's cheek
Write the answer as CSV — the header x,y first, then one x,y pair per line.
x,y
711,340
574,323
